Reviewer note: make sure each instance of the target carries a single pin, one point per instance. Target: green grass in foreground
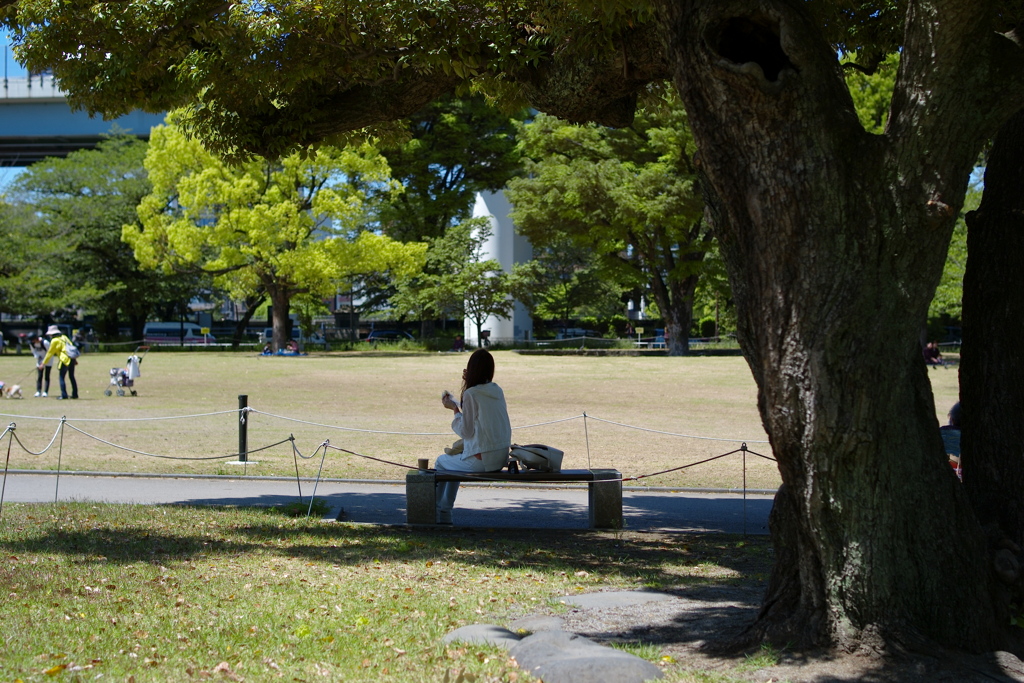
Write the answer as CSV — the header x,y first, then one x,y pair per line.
x,y
177,593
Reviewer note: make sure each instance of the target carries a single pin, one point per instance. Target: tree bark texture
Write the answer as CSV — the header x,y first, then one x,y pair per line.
x,y
280,301
991,372
675,300
834,240
673,271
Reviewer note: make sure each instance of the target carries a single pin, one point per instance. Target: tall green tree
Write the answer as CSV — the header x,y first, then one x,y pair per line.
x,y
457,147
82,201
457,281
569,283
284,228
834,237
948,301
30,277
872,90
629,194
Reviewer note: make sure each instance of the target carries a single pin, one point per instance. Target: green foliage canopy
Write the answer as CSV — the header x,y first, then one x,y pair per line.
x,y
629,195
458,282
271,78
82,201
457,147
30,277
289,228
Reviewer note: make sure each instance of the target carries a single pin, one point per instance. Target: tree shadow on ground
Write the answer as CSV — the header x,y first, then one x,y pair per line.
x,y
649,559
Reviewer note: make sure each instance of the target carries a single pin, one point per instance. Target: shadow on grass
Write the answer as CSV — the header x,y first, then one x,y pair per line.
x,y
722,575
165,534
715,515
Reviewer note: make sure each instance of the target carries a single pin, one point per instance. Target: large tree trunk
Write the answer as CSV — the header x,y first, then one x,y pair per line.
x,y
280,301
675,301
834,240
991,371
673,293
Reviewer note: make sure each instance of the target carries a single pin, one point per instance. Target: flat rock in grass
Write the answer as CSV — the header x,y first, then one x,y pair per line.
x,y
562,657
614,599
483,634
538,623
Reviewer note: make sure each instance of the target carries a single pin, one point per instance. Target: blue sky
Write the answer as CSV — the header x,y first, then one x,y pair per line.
x,y
11,68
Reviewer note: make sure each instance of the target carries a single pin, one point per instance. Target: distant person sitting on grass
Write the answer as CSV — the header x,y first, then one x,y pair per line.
x,y
481,421
459,344
932,355
291,349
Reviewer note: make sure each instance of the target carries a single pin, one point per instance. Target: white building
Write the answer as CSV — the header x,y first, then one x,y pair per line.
x,y
508,248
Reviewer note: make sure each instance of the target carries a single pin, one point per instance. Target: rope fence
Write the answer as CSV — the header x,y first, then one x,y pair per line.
x,y
241,456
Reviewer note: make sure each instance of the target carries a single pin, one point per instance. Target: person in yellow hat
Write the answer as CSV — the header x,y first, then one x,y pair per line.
x,y
66,354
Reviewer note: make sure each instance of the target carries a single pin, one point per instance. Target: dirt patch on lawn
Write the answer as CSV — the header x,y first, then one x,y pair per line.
x,y
706,611
695,618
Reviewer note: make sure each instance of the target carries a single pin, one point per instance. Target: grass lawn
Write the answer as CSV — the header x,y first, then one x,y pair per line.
x,y
108,592
137,593
385,398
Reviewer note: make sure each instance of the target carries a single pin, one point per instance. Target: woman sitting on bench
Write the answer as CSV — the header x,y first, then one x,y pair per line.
x,y
481,420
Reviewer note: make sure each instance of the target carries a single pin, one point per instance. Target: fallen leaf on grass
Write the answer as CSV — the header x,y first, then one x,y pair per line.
x,y
225,669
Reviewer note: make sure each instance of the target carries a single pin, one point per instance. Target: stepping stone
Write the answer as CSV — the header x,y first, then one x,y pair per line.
x,y
562,657
483,634
538,623
614,599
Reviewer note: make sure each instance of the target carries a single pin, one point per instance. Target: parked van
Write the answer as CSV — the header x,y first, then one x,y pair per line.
x,y
171,333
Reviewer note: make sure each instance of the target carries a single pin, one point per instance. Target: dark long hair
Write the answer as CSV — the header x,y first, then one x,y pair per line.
x,y
479,370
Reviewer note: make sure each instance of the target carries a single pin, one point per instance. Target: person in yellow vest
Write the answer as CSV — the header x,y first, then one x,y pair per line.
x,y
66,354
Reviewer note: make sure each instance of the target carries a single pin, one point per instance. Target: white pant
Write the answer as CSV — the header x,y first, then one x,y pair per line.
x,y
447,490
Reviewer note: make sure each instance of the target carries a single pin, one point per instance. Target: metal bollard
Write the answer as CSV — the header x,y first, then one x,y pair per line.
x,y
243,428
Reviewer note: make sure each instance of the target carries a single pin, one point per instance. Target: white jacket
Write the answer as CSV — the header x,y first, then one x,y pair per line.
x,y
483,423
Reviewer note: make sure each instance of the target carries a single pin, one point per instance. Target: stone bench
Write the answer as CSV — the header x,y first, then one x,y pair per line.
x,y
604,491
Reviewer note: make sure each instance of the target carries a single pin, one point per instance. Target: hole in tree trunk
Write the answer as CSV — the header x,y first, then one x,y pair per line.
x,y
743,40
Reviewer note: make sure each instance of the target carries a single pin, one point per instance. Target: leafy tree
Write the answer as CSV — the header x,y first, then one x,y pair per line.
x,y
713,298
627,194
872,91
30,282
458,282
486,290
569,283
285,228
82,201
834,237
458,147
948,301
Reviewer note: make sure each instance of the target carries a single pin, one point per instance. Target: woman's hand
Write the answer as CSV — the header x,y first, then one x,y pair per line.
x,y
448,401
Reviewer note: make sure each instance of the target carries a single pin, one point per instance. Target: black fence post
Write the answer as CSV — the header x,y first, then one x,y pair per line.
x,y
243,427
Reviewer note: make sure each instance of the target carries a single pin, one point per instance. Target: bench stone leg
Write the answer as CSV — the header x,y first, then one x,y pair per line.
x,y
605,498
420,497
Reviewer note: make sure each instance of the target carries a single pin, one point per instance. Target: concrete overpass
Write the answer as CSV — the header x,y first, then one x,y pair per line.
x,y
36,122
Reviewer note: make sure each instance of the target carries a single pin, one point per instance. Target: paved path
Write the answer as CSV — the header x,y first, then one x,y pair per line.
x,y
384,503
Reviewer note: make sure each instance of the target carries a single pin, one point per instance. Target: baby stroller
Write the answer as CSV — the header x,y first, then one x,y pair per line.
x,y
124,378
